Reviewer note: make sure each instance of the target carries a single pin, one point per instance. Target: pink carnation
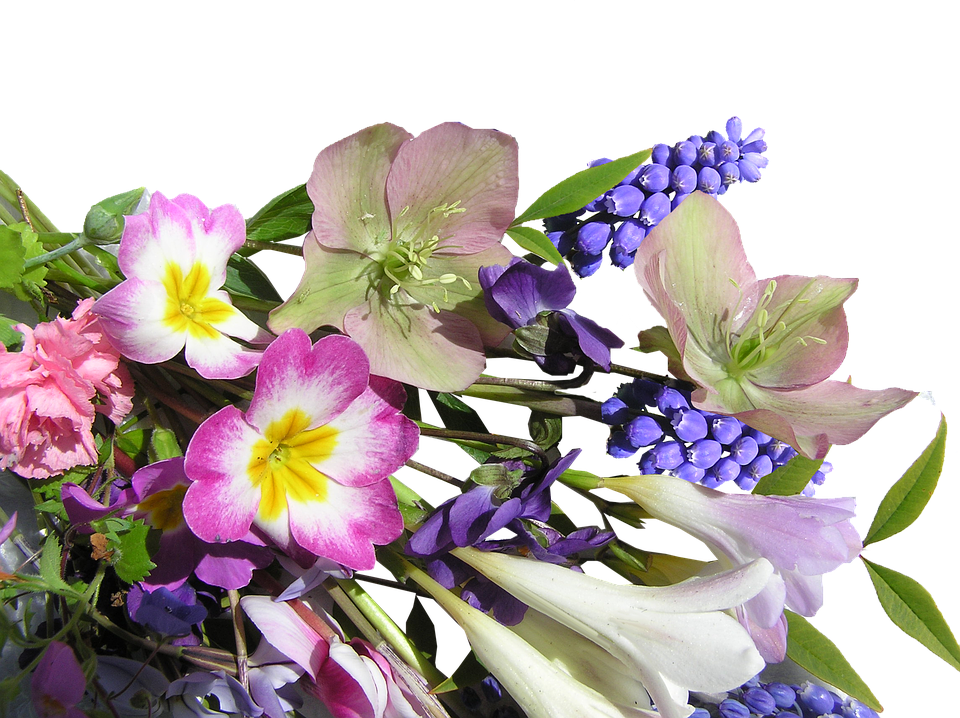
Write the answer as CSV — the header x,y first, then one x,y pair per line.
x,y
52,389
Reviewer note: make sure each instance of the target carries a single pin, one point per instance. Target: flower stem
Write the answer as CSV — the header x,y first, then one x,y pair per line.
x,y
530,446
273,247
233,596
435,473
549,402
60,251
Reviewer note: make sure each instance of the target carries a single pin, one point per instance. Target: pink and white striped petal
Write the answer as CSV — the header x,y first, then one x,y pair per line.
x,y
132,315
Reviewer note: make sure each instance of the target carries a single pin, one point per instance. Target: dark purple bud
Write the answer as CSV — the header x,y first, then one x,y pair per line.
x,y
728,151
730,708
725,429
700,713
744,450
654,178
684,179
593,237
643,431
704,453
563,241
783,695
761,438
669,400
710,480
667,454
561,222
614,411
707,154
623,200
745,481
586,264
780,452
471,699
757,159
689,424
708,180
748,170
757,134
629,235
619,447
815,699
759,146
491,689
689,472
685,153
631,176
597,204
759,701
654,208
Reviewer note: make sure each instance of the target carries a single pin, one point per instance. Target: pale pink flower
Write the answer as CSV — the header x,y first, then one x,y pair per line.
x,y
51,391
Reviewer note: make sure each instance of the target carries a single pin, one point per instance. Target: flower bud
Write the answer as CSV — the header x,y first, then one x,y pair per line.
x,y
104,222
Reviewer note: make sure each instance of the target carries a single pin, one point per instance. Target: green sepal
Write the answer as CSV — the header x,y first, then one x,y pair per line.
x,y
630,555
574,192
245,279
817,654
104,221
286,216
546,430
629,513
132,442
470,672
658,339
163,445
420,629
535,241
913,610
499,476
789,479
907,498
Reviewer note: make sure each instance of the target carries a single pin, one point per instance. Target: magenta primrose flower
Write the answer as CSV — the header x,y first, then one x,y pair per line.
x,y
308,464
760,350
174,258
401,227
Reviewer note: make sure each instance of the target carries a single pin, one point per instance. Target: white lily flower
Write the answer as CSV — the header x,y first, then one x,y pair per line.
x,y
540,686
675,638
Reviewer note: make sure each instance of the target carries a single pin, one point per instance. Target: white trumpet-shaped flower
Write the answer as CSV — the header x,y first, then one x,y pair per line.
x,y
542,687
675,639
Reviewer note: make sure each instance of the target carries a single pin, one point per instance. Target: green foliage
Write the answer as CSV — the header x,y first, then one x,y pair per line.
x,y
470,672
9,337
907,498
789,479
913,610
816,653
286,216
245,279
458,416
18,243
126,547
535,241
546,430
163,445
420,629
630,555
104,221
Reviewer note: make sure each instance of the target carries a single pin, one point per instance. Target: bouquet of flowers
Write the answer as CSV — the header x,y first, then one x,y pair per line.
x,y
201,482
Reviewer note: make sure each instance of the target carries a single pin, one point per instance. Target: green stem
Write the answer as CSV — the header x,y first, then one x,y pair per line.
x,y
659,378
6,217
530,446
548,402
435,473
67,248
63,273
239,636
273,247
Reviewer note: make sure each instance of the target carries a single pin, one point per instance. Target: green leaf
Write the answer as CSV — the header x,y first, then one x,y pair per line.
x,y
163,445
533,240
574,192
469,673
284,217
19,243
546,430
913,610
633,557
50,563
131,558
790,479
12,256
658,339
907,498
420,629
244,278
9,336
456,415
132,442
816,653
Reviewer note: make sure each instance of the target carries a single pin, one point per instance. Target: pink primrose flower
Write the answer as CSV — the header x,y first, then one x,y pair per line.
x,y
51,391
174,258
760,350
401,227
308,464
802,537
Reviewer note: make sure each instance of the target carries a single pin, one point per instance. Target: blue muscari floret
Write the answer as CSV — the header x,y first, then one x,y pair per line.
x,y
756,698
695,445
711,164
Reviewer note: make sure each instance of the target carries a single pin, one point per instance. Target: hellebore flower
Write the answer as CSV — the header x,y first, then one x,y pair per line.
x,y
802,537
58,683
533,301
51,391
308,464
352,679
174,258
675,638
760,350
400,229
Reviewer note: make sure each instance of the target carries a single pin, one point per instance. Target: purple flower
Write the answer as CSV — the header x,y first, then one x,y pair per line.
x,y
524,295
58,684
170,613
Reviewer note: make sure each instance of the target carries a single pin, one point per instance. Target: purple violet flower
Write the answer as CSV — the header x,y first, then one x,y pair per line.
x,y
169,613
524,295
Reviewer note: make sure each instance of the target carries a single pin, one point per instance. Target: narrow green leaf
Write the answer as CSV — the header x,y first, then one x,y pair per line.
x,y
420,629
907,498
816,653
457,415
633,557
533,240
574,192
790,479
469,673
246,279
913,610
284,217
50,563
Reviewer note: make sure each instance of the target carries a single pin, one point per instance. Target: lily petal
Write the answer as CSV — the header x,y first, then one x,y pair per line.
x,y
287,632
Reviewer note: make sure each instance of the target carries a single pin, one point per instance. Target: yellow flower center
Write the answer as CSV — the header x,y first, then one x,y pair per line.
x,y
283,463
189,309
165,508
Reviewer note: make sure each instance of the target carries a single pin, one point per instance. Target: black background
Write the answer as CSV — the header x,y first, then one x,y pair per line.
x,y
851,190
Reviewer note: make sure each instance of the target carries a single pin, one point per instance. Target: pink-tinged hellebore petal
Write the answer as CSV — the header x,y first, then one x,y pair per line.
x,y
308,465
174,258
760,350
802,537
400,230
58,683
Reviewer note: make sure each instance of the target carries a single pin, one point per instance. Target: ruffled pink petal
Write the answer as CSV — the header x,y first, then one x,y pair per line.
x,y
221,503
347,189
320,380
373,439
452,164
